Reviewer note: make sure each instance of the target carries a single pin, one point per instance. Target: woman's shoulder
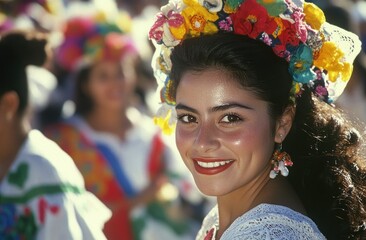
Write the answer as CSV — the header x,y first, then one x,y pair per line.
x,y
268,221
43,162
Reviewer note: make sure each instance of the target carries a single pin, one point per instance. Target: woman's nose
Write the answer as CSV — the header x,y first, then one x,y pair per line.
x,y
207,138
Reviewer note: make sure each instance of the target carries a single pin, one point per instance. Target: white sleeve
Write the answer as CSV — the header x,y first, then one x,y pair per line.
x,y
72,216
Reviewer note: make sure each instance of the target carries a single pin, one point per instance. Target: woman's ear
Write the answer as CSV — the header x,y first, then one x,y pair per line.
x,y
9,104
284,124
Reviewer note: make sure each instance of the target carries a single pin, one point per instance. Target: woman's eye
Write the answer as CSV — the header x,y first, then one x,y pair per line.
x,y
231,118
186,118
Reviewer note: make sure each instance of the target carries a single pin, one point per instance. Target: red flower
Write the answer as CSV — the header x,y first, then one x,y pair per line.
x,y
252,19
280,50
79,27
69,54
289,34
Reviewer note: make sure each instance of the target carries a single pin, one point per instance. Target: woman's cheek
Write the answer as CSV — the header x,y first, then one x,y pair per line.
x,y
242,140
183,138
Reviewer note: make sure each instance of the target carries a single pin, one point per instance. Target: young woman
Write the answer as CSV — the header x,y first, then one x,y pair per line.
x,y
251,83
42,194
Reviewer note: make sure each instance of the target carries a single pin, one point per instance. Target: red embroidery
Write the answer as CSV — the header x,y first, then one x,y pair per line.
x,y
210,235
43,206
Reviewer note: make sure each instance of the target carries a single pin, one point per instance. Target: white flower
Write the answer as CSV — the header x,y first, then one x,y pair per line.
x,y
212,5
175,5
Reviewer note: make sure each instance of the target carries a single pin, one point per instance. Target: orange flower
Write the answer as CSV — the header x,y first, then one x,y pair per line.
x,y
198,19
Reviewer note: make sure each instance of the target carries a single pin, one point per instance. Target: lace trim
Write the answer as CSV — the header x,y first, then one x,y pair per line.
x,y
266,221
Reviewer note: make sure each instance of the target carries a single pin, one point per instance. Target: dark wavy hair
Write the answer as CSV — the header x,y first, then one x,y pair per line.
x,y
17,50
83,101
328,173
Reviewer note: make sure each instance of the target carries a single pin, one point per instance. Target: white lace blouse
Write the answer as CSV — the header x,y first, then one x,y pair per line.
x,y
266,221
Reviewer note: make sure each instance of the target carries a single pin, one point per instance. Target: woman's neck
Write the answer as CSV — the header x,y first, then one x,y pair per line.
x,y
115,122
236,203
261,190
10,143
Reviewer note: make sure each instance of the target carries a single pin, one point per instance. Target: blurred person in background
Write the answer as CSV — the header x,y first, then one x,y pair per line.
x,y
42,16
42,194
121,154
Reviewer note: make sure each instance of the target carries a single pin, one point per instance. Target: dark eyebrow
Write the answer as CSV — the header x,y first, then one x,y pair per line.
x,y
184,107
214,109
229,106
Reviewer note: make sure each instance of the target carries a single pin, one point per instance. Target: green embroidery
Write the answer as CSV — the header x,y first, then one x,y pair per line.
x,y
26,226
39,191
20,175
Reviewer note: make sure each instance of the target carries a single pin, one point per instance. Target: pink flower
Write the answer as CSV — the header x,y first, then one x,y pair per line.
x,y
266,39
173,19
300,25
321,91
226,24
156,32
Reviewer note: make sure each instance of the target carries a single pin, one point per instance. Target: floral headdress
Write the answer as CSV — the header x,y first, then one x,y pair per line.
x,y
320,55
92,38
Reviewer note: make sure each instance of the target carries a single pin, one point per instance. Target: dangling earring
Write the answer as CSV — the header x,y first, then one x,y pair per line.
x,y
280,160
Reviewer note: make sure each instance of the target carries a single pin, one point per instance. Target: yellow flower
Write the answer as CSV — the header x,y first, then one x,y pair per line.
x,y
101,17
347,71
165,123
178,32
296,87
329,58
198,19
314,16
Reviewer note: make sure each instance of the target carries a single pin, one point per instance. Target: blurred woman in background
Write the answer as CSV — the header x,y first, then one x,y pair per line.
x,y
119,151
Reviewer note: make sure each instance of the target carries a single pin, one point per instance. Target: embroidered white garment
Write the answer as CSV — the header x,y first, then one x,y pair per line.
x,y
266,221
43,196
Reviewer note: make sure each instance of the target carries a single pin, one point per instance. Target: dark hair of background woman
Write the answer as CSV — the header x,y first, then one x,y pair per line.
x,y
83,101
17,50
329,171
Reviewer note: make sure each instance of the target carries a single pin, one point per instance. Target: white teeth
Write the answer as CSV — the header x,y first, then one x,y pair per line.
x,y
213,164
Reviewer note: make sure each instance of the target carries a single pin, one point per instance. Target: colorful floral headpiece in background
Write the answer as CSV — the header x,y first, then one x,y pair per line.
x,y
93,38
319,54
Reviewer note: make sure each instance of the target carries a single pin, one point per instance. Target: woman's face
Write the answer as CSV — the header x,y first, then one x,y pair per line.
x,y
224,132
108,86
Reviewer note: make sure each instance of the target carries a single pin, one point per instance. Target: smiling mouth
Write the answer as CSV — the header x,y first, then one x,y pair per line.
x,y
213,164
211,167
